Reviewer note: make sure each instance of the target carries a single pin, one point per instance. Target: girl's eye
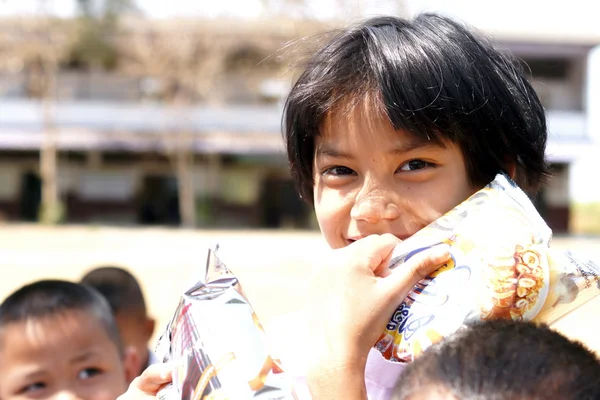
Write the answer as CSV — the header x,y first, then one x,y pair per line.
x,y
88,373
338,171
34,387
414,165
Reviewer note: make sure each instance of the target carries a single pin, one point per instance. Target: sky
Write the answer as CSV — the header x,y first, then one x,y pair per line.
x,y
520,16
574,16
318,9
488,12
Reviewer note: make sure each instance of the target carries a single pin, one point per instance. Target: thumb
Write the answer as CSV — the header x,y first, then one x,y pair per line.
x,y
373,251
153,378
406,276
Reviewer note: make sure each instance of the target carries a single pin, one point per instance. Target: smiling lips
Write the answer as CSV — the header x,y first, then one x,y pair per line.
x,y
353,239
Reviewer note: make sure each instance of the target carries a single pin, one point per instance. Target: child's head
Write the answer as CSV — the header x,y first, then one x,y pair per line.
x,y
126,300
59,340
395,122
502,360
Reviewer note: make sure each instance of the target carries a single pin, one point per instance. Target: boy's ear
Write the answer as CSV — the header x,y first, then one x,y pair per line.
x,y
149,327
132,364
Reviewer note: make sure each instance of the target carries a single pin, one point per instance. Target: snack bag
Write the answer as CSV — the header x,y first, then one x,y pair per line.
x,y
501,267
218,346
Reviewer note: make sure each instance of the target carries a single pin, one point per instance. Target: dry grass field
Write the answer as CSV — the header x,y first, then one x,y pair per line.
x,y
272,266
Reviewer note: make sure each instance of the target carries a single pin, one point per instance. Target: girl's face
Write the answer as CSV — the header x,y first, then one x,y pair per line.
x,y
370,179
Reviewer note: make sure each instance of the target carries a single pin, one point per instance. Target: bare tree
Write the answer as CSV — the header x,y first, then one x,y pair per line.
x,y
204,61
183,64
51,209
39,45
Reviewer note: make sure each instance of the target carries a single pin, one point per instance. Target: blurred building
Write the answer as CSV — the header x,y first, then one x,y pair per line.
x,y
565,72
559,76
114,138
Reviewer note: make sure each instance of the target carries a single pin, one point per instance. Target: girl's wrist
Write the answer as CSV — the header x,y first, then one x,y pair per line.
x,y
332,379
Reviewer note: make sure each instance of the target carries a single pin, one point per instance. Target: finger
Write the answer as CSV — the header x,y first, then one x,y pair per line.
x,y
383,269
153,378
404,278
373,251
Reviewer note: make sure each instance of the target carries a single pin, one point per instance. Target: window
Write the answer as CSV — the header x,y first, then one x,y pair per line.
x,y
548,68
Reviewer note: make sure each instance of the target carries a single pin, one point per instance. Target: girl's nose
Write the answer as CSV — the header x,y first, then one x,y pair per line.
x,y
374,208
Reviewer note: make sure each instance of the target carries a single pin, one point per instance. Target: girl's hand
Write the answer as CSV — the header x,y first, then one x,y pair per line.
x,y
353,296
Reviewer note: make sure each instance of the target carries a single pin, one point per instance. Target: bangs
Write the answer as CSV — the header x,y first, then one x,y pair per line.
x,y
397,73
368,106
424,87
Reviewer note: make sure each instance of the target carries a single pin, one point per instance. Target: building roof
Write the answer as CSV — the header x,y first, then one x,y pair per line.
x,y
112,126
151,118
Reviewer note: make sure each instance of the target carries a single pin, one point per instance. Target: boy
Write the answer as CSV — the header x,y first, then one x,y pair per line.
x,y
503,360
59,340
393,123
126,300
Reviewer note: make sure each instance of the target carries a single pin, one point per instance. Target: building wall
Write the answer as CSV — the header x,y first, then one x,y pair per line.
x,y
229,193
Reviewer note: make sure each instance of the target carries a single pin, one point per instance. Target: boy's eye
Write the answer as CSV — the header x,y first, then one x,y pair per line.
x,y
34,387
338,171
88,373
414,165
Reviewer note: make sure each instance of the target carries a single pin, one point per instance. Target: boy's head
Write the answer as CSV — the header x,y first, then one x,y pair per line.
x,y
59,340
502,360
395,122
126,300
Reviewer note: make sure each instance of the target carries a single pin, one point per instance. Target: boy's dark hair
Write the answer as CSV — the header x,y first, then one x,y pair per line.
x,y
50,298
502,360
433,77
119,287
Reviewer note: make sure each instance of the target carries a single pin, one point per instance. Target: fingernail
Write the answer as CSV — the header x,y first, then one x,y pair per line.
x,y
441,250
167,372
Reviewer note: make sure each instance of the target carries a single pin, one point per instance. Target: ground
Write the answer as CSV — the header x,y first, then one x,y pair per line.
x,y
272,266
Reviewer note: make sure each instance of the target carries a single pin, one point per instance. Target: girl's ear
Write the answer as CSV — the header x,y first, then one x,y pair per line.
x,y
511,169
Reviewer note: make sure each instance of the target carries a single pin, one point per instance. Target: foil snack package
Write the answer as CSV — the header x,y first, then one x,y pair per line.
x,y
501,267
217,345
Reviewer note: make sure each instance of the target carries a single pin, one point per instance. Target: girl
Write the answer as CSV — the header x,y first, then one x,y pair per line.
x,y
393,123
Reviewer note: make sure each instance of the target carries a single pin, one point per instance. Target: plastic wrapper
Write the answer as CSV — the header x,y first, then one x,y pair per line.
x,y
501,267
217,345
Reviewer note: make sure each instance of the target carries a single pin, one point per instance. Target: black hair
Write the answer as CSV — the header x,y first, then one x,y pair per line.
x,y
502,360
49,298
119,287
433,77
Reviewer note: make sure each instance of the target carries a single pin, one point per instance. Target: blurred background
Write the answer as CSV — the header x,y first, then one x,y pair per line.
x,y
138,132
